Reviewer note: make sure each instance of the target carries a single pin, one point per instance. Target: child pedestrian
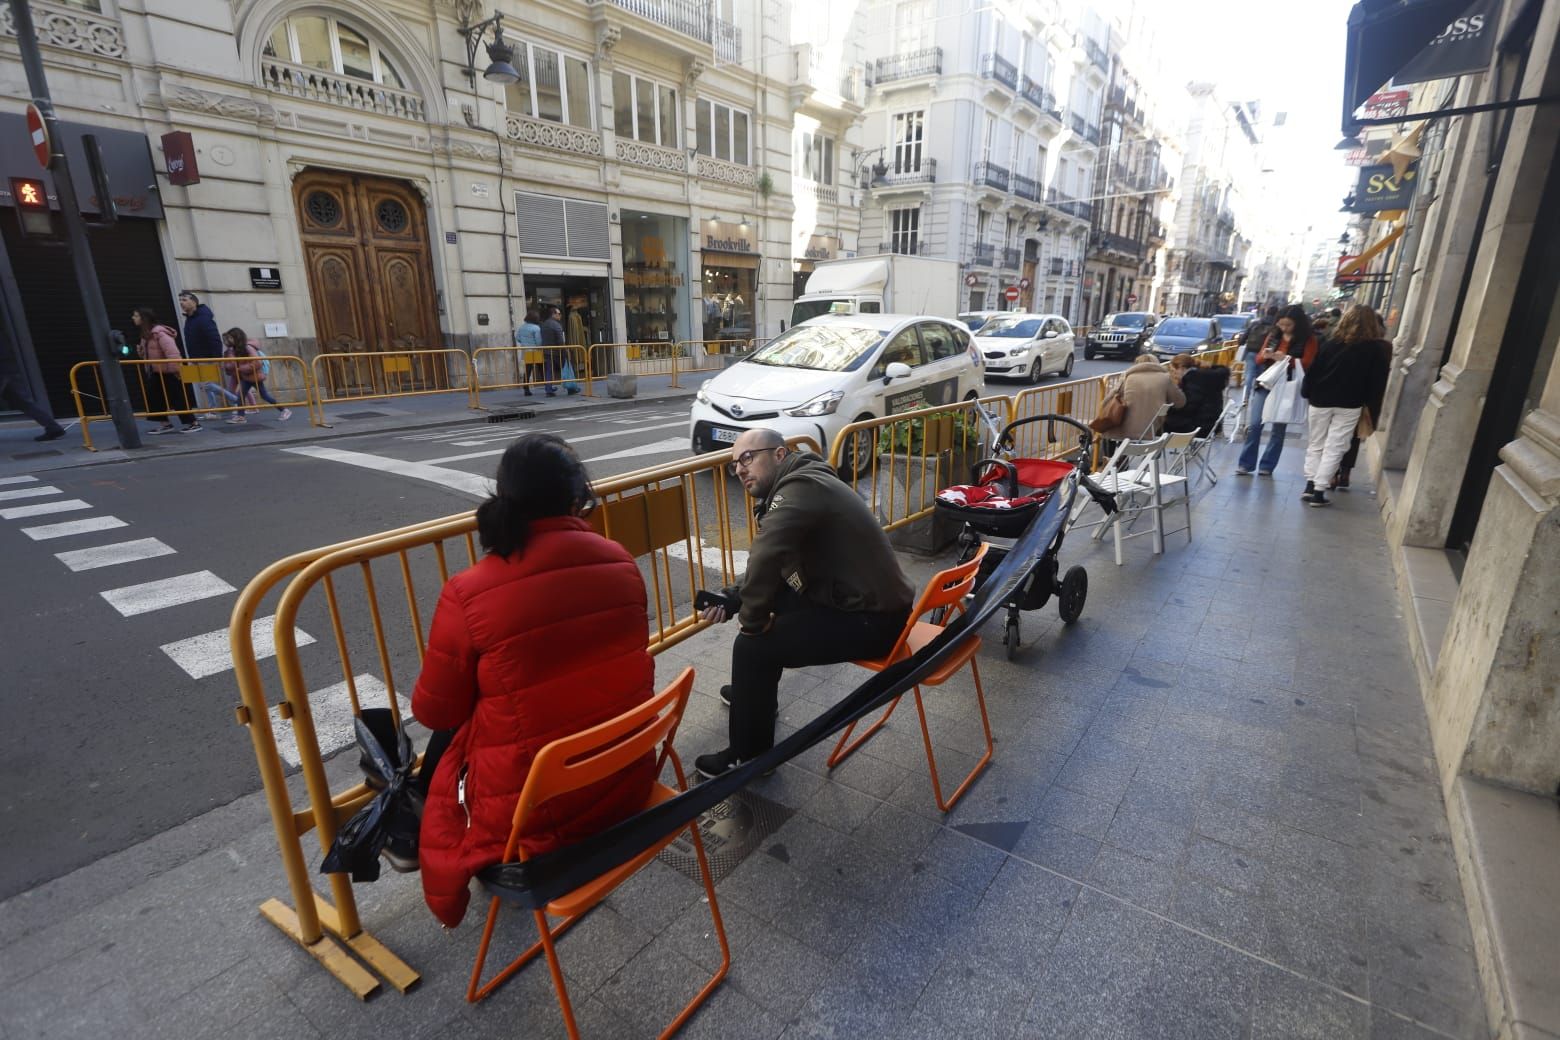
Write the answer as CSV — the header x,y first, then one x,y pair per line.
x,y
248,369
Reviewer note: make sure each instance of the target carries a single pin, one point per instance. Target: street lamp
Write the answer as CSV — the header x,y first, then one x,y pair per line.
x,y
500,52
879,168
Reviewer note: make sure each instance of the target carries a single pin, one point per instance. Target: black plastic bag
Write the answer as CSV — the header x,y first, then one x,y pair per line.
x,y
396,809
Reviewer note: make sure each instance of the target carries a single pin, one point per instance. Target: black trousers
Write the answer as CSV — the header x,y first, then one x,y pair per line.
x,y
14,396
174,397
801,636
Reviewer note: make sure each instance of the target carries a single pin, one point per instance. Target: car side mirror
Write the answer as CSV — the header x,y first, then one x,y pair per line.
x,y
896,370
1049,334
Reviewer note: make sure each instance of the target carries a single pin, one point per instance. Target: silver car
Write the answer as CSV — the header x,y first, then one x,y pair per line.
x,y
1026,346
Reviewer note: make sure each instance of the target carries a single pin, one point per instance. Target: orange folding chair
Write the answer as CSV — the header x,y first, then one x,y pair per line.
x,y
943,594
577,761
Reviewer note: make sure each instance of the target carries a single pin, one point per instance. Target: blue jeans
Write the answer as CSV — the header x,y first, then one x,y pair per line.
x,y
1275,448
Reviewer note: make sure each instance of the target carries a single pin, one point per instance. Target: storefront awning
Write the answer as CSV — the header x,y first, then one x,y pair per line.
x,y
1384,36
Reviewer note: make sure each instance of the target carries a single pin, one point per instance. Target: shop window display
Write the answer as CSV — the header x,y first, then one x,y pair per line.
x,y
728,307
655,282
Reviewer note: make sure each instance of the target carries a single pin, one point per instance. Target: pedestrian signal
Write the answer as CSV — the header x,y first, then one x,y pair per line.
x,y
31,196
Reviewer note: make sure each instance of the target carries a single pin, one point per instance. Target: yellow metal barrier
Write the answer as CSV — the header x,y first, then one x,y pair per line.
x,y
515,368
897,464
380,374
1079,399
708,355
688,523
154,397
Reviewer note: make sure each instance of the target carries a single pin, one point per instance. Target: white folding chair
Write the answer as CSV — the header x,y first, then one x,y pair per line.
x,y
1146,485
1113,464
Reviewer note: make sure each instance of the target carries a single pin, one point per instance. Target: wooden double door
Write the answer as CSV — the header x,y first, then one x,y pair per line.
x,y
365,246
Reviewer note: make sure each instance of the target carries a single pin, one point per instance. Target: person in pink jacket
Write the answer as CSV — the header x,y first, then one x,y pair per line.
x,y
158,344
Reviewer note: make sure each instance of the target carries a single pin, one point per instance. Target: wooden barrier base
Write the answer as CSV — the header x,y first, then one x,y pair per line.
x,y
337,961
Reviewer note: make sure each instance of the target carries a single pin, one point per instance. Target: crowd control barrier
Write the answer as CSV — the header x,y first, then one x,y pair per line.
x,y
153,397
380,374
898,463
688,523
663,358
1079,399
527,368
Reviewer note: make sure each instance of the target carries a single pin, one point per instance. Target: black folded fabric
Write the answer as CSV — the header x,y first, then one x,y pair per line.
x,y
538,881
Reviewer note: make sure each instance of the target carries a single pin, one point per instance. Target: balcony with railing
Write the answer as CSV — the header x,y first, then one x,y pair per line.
x,y
913,65
1026,187
1012,259
992,176
72,27
925,172
696,19
995,66
811,76
1091,133
541,133
1041,98
1096,54
1154,233
983,255
1112,242
1067,204
311,84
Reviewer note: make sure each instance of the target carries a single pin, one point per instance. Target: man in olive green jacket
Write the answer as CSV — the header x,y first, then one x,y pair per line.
x,y
822,586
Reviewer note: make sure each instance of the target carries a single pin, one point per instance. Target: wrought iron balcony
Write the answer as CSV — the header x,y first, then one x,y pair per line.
x,y
995,66
1091,133
925,173
1119,243
906,249
1067,204
1041,98
926,62
1096,54
991,175
1012,259
1026,187
983,255
693,18
1079,124
1155,232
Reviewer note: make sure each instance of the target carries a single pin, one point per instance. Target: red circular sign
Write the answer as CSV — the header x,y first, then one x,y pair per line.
x,y
1023,283
1132,297
39,135
1012,292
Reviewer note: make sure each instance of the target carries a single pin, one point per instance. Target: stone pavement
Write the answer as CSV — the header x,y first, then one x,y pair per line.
x,y
1212,813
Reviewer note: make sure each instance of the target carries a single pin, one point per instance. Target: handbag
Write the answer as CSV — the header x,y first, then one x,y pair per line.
x,y
1113,411
567,377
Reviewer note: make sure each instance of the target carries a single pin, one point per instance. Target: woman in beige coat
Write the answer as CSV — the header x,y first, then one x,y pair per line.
x,y
1146,386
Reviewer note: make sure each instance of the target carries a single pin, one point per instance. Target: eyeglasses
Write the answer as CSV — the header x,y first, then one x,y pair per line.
x,y
745,460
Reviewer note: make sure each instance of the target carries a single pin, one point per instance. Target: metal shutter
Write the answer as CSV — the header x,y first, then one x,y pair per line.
x,y
541,222
588,230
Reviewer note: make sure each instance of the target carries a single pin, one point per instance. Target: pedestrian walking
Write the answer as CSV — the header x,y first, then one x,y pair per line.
x,y
13,391
248,371
201,340
158,345
543,638
1291,339
1350,372
1146,387
552,336
529,336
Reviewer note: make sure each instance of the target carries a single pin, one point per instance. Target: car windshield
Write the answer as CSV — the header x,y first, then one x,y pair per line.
x,y
1011,326
1192,328
1126,321
974,322
1230,324
826,348
802,310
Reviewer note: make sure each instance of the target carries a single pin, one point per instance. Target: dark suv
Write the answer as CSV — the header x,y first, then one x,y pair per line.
x,y
1120,335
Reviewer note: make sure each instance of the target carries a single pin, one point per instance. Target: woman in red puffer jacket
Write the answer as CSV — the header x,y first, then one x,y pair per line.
x,y
543,638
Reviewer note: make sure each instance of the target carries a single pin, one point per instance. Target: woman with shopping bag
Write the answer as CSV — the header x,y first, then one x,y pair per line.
x,y
1349,373
1292,343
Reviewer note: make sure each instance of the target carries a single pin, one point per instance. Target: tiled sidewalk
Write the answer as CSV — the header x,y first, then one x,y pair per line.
x,y
1211,814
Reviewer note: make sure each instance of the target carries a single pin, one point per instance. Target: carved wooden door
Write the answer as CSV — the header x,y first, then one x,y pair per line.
x,y
365,246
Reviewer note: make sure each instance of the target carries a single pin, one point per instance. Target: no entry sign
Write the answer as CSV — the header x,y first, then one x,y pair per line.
x,y
1012,292
39,134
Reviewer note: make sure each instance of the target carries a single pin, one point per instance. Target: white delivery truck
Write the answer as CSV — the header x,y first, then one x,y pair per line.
x,y
890,283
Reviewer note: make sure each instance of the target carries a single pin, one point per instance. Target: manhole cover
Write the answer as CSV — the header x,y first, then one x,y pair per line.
x,y
362,415
730,831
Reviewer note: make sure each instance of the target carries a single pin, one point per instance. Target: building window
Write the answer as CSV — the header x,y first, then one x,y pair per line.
x,y
553,86
722,132
644,110
909,135
328,44
817,159
905,230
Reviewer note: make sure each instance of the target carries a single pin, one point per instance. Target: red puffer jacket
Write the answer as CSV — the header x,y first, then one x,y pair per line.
x,y
523,650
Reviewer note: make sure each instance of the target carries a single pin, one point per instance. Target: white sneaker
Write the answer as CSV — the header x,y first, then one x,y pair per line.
x,y
285,414
236,420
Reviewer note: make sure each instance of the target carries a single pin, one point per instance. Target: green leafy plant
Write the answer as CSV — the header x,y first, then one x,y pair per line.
x,y
766,185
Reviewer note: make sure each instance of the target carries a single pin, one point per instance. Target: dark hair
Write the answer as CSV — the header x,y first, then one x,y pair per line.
x,y
531,315
148,318
1272,313
539,476
1296,313
186,294
236,338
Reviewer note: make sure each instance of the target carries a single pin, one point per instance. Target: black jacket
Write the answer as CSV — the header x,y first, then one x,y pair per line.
x,y
552,333
1348,375
201,338
816,536
1204,390
1255,333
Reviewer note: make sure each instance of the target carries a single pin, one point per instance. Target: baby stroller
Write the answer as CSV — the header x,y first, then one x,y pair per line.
x,y
1005,495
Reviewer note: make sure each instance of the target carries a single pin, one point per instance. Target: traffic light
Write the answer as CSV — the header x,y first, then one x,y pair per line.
x,y
31,196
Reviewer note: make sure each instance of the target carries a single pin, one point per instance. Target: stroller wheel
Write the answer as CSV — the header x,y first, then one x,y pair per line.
x,y
1075,591
1010,637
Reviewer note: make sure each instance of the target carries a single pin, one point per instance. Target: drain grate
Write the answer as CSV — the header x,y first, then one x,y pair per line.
x,y
524,413
731,830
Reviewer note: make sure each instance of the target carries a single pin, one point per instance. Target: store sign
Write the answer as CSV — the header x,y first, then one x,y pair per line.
x,y
1344,261
1380,188
721,237
179,153
820,247
1388,104
1464,46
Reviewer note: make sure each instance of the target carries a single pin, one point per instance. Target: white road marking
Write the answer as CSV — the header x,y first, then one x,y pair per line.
x,y
17,480
572,440
69,527
666,447
710,556
477,442
41,491
68,505
167,592
454,479
331,709
90,559
211,654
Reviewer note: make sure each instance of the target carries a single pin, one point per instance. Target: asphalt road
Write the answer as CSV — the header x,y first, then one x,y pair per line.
x,y
119,695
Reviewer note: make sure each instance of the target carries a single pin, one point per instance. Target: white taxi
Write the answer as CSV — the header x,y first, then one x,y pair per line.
x,y
1026,346
837,369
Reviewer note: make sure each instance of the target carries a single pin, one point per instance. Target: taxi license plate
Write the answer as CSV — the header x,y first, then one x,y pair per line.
x,y
725,436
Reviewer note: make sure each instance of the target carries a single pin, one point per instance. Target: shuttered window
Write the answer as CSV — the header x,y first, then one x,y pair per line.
x,y
553,226
587,229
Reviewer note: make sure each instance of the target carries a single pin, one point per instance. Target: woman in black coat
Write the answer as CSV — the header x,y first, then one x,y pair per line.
x,y
1204,385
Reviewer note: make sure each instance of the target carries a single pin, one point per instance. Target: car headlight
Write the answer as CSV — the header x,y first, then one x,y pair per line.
x,y
823,404
703,396
1017,352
